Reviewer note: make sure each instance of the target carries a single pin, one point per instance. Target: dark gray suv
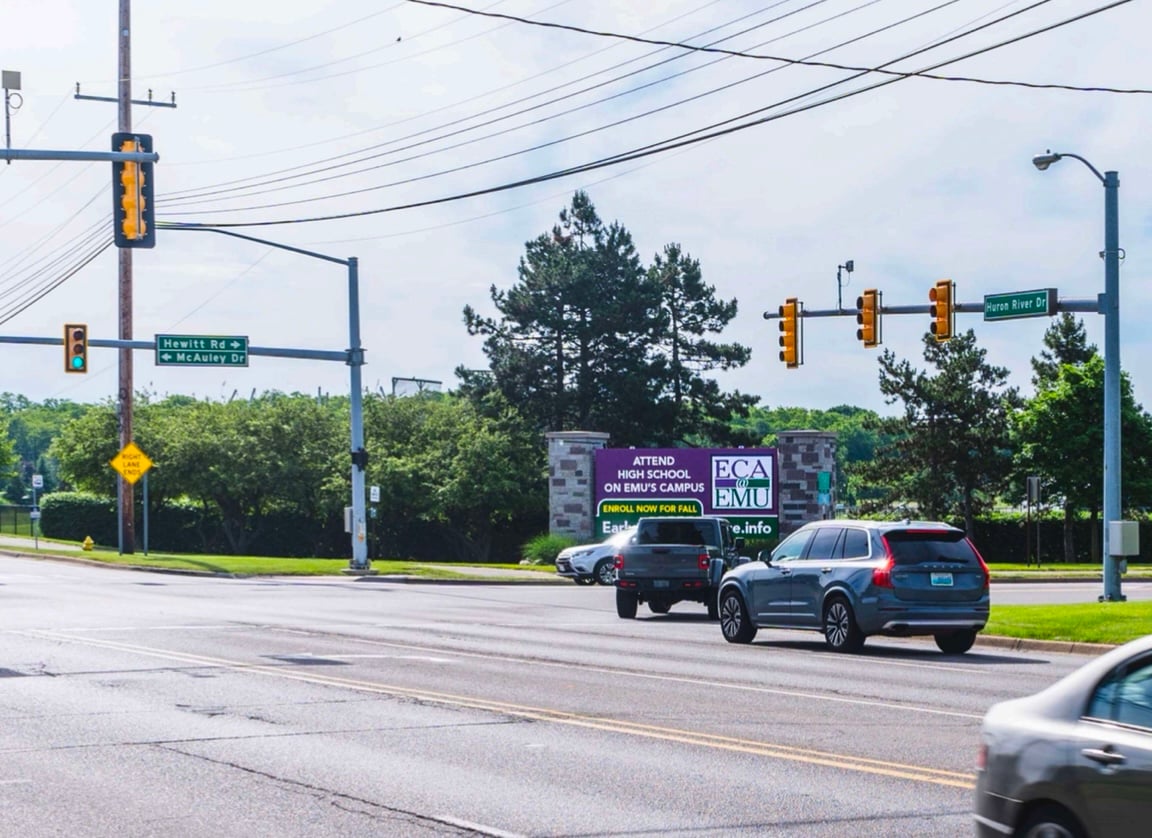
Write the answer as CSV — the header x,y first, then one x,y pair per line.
x,y
851,579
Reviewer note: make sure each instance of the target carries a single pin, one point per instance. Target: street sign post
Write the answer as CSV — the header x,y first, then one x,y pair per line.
x,y
201,350
1038,303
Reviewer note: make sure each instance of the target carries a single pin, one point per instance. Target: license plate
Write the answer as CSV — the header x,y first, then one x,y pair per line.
x,y
660,583
942,579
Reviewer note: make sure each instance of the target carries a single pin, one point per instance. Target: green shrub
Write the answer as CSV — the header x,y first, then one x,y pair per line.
x,y
72,516
543,549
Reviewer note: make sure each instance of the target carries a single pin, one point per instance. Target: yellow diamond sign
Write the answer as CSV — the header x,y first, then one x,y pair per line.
x,y
131,462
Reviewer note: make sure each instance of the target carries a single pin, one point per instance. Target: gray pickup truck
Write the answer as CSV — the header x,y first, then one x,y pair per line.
x,y
673,560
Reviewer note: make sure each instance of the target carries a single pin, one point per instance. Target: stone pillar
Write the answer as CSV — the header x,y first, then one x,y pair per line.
x,y
803,455
571,490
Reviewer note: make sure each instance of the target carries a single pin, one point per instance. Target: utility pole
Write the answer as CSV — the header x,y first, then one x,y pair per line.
x,y
124,108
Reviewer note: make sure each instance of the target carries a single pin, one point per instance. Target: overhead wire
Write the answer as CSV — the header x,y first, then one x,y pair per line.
x,y
712,131
449,106
806,63
312,165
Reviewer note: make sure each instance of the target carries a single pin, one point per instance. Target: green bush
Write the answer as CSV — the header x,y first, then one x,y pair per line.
x,y
543,549
72,516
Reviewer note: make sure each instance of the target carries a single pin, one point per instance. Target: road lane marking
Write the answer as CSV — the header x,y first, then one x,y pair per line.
x,y
810,756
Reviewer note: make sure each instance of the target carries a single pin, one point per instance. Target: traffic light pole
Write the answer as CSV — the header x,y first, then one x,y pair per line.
x,y
125,394
354,357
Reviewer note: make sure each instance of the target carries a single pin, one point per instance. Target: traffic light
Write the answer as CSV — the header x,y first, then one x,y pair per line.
x,y
791,340
133,209
868,317
75,347
943,300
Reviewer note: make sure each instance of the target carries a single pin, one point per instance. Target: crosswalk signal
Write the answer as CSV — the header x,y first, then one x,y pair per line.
x,y
791,341
942,295
133,210
868,317
75,347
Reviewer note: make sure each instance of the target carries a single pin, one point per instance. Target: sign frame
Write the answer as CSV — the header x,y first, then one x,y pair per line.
x,y
1040,302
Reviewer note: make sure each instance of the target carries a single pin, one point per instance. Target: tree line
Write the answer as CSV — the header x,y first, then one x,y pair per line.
x,y
589,338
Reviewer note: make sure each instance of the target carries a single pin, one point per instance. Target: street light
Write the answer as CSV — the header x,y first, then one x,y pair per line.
x,y
1109,306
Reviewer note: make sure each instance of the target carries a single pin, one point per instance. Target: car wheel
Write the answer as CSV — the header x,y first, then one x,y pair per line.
x,y
955,642
626,603
840,630
605,572
585,580
735,622
659,606
1051,822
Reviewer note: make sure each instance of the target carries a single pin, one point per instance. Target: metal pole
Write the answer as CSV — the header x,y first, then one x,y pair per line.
x,y
1111,303
126,394
359,456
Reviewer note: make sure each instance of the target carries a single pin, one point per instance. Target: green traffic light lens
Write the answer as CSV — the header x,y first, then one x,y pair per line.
x,y
77,363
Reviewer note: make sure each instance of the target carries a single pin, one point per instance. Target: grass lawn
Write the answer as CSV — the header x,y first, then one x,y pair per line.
x,y
1088,622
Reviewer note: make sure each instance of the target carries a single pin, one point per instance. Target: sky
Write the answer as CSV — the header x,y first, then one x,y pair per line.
x,y
288,111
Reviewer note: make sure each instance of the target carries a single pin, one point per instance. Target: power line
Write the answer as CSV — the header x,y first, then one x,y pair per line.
x,y
311,167
806,63
682,140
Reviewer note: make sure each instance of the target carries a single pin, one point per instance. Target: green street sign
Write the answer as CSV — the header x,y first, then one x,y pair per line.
x,y
1038,303
201,351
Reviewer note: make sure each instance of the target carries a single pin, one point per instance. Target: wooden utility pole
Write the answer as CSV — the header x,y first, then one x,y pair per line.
x,y
124,106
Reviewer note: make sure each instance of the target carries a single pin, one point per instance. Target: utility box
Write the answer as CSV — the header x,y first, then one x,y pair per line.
x,y
347,519
1123,538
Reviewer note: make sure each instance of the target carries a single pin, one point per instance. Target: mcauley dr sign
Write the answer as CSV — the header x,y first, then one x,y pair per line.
x,y
738,483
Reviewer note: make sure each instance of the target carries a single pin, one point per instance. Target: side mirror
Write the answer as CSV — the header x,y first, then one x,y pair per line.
x,y
738,542
765,556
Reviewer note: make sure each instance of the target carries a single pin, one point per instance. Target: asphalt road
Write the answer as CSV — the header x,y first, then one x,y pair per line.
x,y
140,704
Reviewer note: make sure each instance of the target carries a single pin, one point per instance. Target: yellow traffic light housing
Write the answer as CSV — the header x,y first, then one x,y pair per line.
x,y
943,298
791,340
868,317
75,347
133,210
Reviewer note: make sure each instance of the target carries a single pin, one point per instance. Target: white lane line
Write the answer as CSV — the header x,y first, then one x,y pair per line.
x,y
477,827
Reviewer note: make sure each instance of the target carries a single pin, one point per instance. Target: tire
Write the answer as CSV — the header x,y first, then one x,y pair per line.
x,y
713,604
840,630
605,572
585,580
955,642
659,606
735,622
626,603
1051,822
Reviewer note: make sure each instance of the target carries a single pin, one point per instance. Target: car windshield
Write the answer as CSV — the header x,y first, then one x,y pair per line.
x,y
925,546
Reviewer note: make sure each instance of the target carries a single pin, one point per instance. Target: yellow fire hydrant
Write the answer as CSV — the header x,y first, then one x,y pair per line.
x,y
88,542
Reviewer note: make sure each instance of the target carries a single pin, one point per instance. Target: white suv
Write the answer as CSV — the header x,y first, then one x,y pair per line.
x,y
589,564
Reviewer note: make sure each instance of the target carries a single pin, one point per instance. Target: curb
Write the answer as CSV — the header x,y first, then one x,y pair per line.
x,y
1021,644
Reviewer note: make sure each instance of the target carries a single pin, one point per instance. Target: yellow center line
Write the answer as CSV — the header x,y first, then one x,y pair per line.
x,y
772,750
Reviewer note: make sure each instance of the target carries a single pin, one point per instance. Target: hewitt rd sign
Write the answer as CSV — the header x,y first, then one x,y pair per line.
x,y
201,351
1039,303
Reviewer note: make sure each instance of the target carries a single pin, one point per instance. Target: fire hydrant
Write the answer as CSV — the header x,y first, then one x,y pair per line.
x,y
88,542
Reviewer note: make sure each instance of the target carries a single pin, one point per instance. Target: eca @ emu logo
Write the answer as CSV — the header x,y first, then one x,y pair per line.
x,y
742,482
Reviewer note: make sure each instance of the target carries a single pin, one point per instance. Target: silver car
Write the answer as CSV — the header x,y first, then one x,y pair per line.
x,y
588,564
1074,760
851,579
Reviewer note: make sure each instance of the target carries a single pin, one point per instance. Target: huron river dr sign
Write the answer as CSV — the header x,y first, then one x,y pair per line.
x,y
201,351
1039,303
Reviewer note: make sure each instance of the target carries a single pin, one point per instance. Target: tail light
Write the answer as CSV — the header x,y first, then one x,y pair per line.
x,y
882,575
983,564
703,561
618,562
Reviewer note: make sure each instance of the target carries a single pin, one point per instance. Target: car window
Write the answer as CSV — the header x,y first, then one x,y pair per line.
x,y
793,546
909,547
824,543
1125,696
854,544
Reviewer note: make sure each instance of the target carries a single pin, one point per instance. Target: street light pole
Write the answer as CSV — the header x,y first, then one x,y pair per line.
x,y
1109,306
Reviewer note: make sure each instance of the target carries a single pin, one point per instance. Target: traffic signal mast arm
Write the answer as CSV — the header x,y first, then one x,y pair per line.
x,y
925,309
